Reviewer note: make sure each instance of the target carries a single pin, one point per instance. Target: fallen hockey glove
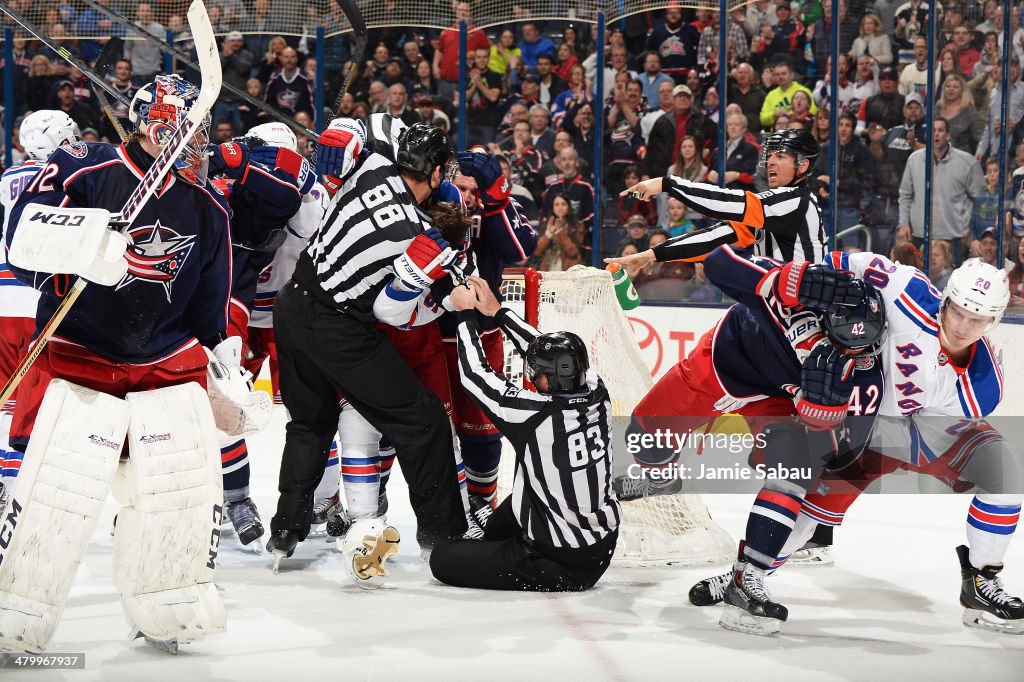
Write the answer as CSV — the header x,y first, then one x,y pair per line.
x,y
485,169
339,150
229,159
425,260
826,383
290,162
817,286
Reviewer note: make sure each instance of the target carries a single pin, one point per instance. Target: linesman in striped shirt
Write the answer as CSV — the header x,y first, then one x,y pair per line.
x,y
556,532
783,222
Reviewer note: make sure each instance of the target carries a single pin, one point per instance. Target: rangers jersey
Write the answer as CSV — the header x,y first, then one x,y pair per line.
x,y
16,299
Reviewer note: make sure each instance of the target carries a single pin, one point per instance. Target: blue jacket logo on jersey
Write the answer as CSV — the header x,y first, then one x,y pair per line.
x,y
156,256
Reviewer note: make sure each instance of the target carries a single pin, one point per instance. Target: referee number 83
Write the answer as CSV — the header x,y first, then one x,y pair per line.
x,y
584,445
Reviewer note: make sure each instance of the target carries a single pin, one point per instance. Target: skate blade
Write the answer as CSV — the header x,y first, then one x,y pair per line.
x,y
736,619
278,555
974,618
169,646
812,556
369,568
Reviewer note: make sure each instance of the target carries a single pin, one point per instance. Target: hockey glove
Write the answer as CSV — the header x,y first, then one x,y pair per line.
x,y
339,150
817,286
288,161
485,169
826,383
237,409
228,159
425,260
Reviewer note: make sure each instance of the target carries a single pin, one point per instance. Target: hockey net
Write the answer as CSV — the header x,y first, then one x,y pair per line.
x,y
674,529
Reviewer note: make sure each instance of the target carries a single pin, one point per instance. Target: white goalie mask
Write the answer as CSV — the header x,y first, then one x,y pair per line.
x,y
44,130
979,288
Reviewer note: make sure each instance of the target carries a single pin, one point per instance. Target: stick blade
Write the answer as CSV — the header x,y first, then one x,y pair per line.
x,y
209,60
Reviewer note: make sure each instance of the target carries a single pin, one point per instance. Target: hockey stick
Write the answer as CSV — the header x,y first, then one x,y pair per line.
x,y
102,65
206,48
64,54
184,59
355,17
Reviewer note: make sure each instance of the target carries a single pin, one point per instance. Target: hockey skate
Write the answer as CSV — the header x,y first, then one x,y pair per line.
x,y
282,545
366,548
812,554
169,646
245,519
710,591
628,488
323,511
474,531
338,525
748,606
481,509
986,604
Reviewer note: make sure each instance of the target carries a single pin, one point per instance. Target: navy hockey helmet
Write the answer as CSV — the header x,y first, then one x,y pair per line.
x,y
560,356
860,327
422,147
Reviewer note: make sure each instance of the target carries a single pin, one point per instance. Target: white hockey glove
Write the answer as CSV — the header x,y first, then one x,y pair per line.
x,y
238,410
70,241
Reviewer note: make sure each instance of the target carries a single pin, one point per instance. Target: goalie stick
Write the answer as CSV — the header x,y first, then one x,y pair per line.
x,y
206,48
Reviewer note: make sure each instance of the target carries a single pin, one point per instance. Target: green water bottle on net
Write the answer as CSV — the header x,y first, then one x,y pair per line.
x,y
624,289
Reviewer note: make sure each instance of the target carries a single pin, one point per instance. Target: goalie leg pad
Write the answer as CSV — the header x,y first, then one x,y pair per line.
x,y
168,535
70,463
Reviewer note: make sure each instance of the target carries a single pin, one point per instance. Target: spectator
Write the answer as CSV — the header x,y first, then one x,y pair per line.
x,y
147,59
517,111
223,132
533,45
235,62
822,40
270,63
482,96
957,106
911,21
993,17
802,103
122,83
261,26
988,250
856,176
780,99
741,156
541,134
398,105
565,60
688,166
576,94
675,43
525,159
872,41
956,181
571,185
699,288
652,79
551,85
966,53
82,114
629,206
579,44
986,205
783,41
914,77
676,222
618,63
288,90
941,260
250,115
662,281
411,56
58,66
447,56
907,254
993,123
884,110
736,41
623,130
424,82
746,91
505,55
560,246
669,131
821,128
636,234
865,84
550,172
518,192
1017,280
890,150
378,97
528,95
39,84
91,22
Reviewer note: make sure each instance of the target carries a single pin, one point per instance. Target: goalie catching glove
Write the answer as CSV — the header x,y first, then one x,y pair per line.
x,y
238,410
485,169
826,384
816,286
425,260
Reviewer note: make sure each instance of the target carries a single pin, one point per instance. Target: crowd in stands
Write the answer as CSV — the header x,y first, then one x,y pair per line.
x,y
531,98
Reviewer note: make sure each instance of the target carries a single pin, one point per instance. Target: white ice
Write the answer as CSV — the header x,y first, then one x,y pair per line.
x,y
889,610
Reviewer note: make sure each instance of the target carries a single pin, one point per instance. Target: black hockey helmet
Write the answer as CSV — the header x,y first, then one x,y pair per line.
x,y
560,356
800,143
858,327
421,147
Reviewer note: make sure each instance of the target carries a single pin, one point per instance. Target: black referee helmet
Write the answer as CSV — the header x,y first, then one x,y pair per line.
x,y
860,327
800,143
560,356
422,147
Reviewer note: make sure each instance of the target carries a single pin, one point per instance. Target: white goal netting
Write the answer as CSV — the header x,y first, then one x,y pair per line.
x,y
666,529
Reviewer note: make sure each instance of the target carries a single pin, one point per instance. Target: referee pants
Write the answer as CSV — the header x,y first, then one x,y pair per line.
x,y
323,352
505,560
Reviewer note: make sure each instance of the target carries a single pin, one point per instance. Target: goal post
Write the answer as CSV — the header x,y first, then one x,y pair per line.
x,y
674,529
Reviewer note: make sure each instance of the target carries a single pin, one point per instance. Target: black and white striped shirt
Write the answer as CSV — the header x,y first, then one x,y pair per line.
x,y
783,223
368,224
562,494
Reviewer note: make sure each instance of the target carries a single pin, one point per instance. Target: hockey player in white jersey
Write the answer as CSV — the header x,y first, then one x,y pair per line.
x,y
40,134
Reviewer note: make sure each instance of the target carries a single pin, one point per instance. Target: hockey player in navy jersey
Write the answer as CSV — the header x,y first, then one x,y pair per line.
x,y
40,134
130,359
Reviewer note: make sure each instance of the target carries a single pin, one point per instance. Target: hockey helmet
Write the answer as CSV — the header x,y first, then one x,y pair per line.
x,y
421,148
860,327
159,109
979,288
274,134
800,143
43,131
560,356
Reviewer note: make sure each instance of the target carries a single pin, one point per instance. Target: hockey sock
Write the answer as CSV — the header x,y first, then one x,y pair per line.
x,y
822,535
387,460
330,482
481,457
991,521
361,478
770,523
234,462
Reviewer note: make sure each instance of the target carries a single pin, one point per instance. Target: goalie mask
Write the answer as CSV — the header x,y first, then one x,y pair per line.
x,y
560,356
43,131
159,108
